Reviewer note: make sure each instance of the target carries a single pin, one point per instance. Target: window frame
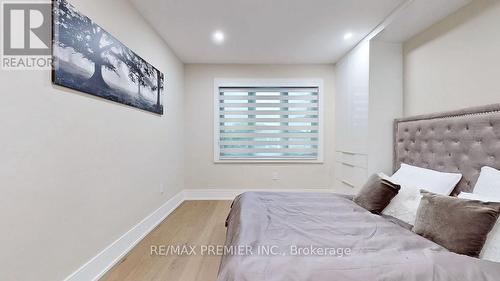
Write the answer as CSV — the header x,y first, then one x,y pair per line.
x,y
224,82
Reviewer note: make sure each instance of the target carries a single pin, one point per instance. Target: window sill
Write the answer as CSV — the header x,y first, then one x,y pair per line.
x,y
268,161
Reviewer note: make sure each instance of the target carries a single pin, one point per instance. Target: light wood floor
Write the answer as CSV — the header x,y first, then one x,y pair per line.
x,y
192,223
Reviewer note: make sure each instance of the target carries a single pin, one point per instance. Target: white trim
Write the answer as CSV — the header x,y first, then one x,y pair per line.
x,y
111,255
107,258
270,160
211,194
243,82
230,194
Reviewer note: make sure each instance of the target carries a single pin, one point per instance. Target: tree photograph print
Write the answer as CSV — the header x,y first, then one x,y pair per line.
x,y
89,59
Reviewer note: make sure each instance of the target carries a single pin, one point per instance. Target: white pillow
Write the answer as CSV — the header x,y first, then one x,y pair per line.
x,y
488,183
411,179
491,249
404,206
480,197
430,180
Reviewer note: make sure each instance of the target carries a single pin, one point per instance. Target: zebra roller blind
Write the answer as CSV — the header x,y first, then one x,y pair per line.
x,y
269,123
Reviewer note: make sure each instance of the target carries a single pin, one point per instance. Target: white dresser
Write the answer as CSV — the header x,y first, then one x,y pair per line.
x,y
368,97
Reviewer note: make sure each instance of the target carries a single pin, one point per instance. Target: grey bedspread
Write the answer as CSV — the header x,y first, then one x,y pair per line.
x,y
272,227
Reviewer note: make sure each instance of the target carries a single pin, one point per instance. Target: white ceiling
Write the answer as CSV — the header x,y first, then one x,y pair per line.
x,y
419,15
264,31
284,31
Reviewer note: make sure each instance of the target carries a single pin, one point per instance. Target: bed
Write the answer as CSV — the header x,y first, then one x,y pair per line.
x,y
326,236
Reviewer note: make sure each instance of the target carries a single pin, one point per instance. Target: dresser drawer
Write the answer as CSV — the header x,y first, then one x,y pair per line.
x,y
351,175
345,188
354,159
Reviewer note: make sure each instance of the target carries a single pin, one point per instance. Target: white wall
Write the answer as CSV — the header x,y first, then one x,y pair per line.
x,y
76,172
386,103
202,172
455,63
352,98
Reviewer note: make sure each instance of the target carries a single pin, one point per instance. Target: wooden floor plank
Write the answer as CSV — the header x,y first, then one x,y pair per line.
x,y
193,223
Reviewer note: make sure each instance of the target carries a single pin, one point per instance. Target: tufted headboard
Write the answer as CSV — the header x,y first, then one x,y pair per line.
x,y
458,141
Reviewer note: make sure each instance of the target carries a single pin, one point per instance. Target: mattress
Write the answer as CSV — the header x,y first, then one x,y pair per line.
x,y
324,236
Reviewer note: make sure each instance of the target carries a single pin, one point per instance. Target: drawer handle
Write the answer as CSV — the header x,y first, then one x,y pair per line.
x,y
348,183
348,165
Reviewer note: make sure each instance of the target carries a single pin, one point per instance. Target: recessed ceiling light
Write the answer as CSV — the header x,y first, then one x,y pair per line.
x,y
218,37
348,36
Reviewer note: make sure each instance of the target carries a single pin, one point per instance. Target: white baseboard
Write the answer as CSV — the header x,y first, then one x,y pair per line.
x,y
230,194
211,194
107,258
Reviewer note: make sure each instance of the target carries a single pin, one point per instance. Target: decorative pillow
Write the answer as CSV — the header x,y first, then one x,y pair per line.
x,y
376,194
411,179
460,225
488,183
491,249
433,181
479,197
404,206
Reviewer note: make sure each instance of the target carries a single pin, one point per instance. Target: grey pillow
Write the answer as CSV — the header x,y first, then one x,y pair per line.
x,y
376,194
459,225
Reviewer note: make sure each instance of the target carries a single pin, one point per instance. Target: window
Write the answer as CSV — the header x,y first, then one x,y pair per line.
x,y
268,121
